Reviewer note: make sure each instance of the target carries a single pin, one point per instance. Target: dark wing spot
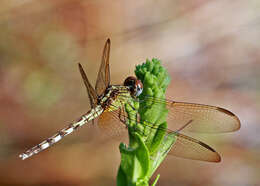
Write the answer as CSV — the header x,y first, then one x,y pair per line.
x,y
206,146
225,111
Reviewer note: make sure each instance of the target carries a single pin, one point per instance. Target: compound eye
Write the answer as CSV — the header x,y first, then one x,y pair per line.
x,y
130,81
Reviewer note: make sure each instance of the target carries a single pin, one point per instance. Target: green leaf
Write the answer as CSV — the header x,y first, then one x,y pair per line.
x,y
134,163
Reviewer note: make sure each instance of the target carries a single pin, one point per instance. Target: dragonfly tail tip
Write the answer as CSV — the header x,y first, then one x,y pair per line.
x,y
23,156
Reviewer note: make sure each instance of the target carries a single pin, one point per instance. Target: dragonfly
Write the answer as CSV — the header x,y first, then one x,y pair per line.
x,y
107,106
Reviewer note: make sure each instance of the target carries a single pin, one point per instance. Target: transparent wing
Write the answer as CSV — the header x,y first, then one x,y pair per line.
x,y
103,79
90,90
184,146
197,117
190,148
111,125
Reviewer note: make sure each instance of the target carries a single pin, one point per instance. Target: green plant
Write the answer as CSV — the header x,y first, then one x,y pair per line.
x,y
149,142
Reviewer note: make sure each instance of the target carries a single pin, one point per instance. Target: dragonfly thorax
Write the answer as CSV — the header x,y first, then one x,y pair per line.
x,y
114,97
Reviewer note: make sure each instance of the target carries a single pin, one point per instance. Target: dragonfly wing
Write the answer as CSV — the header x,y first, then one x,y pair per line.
x,y
91,92
103,79
190,148
111,125
197,117
201,118
184,146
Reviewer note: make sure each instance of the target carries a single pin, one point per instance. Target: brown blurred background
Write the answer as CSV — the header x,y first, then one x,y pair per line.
x,y
210,48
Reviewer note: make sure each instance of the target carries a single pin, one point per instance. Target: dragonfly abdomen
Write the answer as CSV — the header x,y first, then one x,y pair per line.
x,y
92,114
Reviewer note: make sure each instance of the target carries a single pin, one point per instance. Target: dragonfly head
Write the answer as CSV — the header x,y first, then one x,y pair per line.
x,y
135,85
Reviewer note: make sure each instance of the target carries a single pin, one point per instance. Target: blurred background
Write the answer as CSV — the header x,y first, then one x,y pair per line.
x,y
210,48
